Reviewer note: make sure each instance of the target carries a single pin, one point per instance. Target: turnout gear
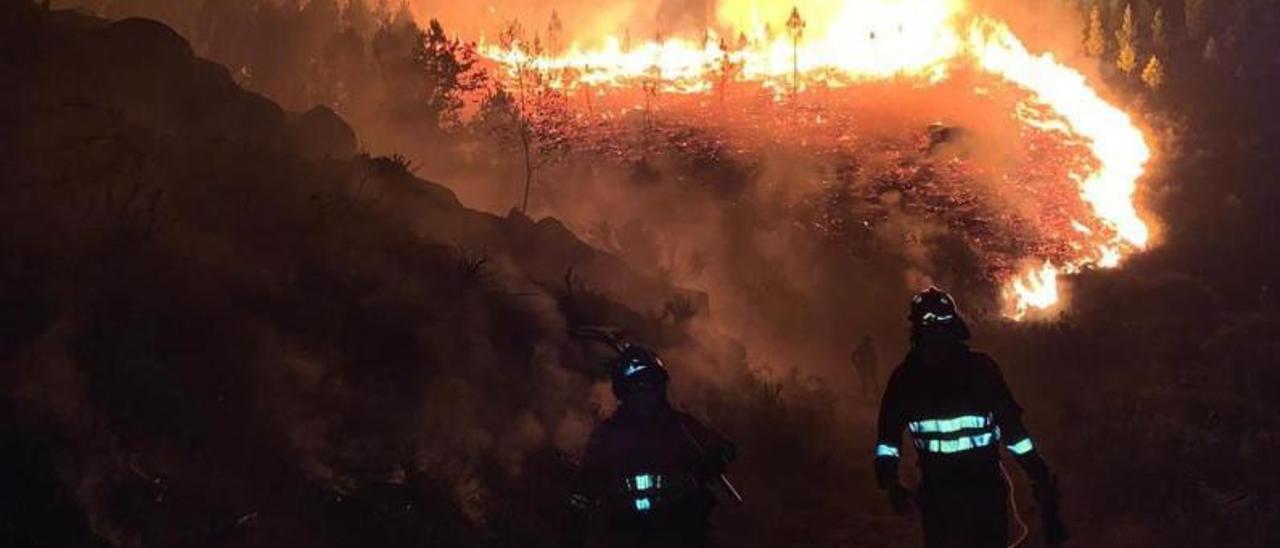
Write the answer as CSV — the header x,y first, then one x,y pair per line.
x,y
638,369
648,469
934,312
900,499
1047,496
959,410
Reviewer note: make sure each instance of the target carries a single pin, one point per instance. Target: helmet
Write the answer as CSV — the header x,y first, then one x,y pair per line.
x,y
934,311
638,369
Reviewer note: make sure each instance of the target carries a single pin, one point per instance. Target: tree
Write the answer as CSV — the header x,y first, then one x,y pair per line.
x,y
425,74
357,15
1127,58
403,16
512,39
382,12
726,69
1159,31
1095,42
539,130
449,71
1196,14
795,29
536,121
1210,53
346,67
555,34
650,85
1153,75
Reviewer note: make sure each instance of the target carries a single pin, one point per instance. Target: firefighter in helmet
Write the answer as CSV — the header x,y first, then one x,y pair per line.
x,y
648,470
959,411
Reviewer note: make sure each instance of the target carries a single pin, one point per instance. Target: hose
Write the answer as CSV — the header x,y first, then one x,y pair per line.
x,y
1024,531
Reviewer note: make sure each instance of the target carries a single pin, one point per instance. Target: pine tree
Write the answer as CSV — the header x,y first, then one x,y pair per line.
x,y
382,12
1159,31
1196,16
555,34
359,16
1127,58
1153,75
795,28
1210,53
1095,42
403,17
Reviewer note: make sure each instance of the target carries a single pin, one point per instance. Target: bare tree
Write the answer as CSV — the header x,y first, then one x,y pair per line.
x,y
539,128
537,121
726,70
795,29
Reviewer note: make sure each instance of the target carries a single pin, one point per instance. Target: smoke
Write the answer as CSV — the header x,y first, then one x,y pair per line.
x,y
771,235
583,22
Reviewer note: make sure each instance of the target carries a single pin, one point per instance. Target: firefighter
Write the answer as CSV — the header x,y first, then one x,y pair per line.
x,y
648,471
958,409
867,363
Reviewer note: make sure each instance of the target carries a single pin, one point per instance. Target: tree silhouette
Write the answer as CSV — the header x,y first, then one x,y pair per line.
x,y
1153,75
726,70
1195,13
795,29
425,75
357,15
555,34
449,71
536,122
1159,30
1127,57
1210,53
1095,43
512,40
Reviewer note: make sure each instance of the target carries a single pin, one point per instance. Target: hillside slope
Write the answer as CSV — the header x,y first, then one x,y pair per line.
x,y
220,323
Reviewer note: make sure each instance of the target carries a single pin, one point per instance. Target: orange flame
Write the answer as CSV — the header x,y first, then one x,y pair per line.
x,y
850,41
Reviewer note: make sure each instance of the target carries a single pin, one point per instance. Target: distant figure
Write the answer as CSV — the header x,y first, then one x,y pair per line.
x,y
867,363
648,469
956,405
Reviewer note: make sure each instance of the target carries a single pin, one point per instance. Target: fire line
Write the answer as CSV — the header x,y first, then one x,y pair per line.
x,y
864,41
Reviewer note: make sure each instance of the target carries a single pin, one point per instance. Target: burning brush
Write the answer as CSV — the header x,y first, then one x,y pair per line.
x,y
917,43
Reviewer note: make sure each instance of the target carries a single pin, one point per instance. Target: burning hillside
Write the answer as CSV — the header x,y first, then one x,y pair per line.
x,y
1063,200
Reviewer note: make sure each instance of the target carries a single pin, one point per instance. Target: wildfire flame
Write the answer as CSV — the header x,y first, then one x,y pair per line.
x,y
846,42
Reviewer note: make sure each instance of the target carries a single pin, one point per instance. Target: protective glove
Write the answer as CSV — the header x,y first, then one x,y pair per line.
x,y
1047,496
900,499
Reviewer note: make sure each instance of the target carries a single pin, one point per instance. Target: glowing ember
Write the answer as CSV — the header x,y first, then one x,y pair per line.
x,y
915,42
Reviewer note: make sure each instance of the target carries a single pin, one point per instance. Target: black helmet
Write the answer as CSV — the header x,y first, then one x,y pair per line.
x,y
933,310
638,369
